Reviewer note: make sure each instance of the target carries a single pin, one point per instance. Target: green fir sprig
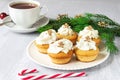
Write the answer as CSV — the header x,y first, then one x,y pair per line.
x,y
107,28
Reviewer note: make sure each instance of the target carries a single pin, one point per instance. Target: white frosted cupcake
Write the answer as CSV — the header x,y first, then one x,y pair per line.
x,y
86,50
45,38
91,33
61,51
66,32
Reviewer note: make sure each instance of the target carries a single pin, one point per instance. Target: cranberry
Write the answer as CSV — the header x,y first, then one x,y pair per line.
x,y
3,15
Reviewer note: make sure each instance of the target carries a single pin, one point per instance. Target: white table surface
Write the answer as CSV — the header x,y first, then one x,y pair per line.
x,y
13,45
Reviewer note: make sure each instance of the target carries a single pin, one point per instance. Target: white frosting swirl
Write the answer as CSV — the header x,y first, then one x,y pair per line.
x,y
65,30
46,37
89,31
63,45
84,44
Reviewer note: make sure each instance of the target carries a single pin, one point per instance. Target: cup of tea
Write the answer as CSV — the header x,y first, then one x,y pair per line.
x,y
25,13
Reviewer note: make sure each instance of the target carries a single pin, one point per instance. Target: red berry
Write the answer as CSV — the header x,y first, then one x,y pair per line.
x,y
3,15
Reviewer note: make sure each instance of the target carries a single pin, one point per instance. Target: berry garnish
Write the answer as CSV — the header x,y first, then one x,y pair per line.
x,y
3,15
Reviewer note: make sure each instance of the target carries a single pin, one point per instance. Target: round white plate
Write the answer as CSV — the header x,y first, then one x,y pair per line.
x,y
44,60
11,26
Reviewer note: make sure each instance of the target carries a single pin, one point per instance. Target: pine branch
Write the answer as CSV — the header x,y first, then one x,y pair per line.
x,y
101,17
111,47
47,27
79,21
109,38
106,27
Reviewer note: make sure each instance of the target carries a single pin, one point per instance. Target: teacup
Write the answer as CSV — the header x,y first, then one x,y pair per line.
x,y
25,13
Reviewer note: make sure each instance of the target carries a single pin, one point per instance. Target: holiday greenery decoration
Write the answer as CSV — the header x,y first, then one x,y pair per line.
x,y
107,28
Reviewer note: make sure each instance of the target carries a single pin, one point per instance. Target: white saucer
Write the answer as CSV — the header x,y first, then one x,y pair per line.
x,y
11,26
44,59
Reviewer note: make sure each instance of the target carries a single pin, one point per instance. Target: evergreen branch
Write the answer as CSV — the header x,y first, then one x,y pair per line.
x,y
79,21
106,27
78,28
111,47
47,27
109,38
101,17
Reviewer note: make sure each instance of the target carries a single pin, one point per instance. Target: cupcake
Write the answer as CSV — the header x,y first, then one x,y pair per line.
x,y
61,51
86,50
45,38
66,32
91,33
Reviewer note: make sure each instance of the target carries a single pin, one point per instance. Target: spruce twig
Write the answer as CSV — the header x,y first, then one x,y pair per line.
x,y
107,28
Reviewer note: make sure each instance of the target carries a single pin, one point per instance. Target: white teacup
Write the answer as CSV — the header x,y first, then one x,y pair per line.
x,y
25,13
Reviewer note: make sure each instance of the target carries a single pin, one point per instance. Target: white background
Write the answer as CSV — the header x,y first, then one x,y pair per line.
x,y
13,45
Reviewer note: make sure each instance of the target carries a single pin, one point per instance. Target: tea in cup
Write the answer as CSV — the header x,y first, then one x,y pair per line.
x,y
25,13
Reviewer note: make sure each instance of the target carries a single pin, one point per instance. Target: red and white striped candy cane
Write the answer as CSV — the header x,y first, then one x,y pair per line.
x,y
26,71
66,75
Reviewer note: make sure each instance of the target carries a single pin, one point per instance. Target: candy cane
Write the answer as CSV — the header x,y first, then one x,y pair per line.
x,y
26,71
66,75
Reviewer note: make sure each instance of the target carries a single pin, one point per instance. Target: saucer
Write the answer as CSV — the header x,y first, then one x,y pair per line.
x,y
13,27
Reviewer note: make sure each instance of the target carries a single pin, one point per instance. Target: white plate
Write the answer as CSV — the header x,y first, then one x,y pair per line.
x,y
11,26
44,60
